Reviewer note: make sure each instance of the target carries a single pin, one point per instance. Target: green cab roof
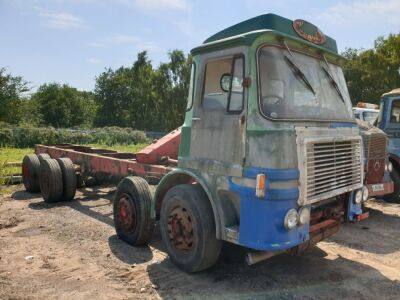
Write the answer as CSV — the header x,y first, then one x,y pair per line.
x,y
247,31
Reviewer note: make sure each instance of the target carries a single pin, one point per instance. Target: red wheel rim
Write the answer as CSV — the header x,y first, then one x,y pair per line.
x,y
127,213
26,175
180,229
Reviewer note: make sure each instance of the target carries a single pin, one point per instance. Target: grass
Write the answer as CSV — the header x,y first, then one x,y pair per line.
x,y
121,148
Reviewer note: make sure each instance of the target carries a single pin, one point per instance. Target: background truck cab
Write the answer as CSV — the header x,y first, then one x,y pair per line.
x,y
389,122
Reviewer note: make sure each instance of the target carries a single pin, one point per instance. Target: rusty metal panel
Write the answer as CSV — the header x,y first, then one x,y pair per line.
x,y
93,163
167,146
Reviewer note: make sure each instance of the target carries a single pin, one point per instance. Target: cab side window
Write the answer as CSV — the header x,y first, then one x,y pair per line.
x,y
395,113
223,85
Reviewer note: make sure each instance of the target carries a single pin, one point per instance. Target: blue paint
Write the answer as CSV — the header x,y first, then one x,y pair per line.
x,y
354,209
272,174
341,125
261,219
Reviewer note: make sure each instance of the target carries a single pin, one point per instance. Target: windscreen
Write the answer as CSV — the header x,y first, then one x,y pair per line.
x,y
296,86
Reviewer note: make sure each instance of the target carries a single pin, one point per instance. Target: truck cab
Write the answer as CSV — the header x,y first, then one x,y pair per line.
x,y
269,139
389,122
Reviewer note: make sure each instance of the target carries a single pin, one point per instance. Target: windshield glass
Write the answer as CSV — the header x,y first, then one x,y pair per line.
x,y
370,116
285,95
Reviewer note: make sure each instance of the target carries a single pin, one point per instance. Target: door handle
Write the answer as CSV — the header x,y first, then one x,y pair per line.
x,y
196,119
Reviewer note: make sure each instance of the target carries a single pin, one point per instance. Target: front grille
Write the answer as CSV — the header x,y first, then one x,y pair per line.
x,y
329,161
375,146
331,166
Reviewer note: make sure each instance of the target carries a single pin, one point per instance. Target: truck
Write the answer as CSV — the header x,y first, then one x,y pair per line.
x,y
377,165
389,121
269,156
366,112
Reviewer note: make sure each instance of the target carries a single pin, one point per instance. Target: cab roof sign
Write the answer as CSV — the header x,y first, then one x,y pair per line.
x,y
309,32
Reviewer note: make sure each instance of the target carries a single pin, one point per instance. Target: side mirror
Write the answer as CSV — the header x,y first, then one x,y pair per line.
x,y
225,82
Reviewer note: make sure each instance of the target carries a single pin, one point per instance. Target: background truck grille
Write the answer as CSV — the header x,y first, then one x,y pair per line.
x,y
375,152
331,167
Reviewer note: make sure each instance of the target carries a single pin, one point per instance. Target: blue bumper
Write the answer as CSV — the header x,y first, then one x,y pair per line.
x,y
262,219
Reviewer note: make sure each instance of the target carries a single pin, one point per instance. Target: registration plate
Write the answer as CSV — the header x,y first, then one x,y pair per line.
x,y
377,187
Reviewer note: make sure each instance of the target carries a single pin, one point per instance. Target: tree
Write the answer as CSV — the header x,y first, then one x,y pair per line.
x,y
370,73
143,97
64,106
12,99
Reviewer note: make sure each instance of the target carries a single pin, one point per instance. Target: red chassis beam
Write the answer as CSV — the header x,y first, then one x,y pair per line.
x,y
94,161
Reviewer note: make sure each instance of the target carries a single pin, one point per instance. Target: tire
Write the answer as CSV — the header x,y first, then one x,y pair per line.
x,y
395,196
133,218
188,228
51,183
68,177
43,156
30,173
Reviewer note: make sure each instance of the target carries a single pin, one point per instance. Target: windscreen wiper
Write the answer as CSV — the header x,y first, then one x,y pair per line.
x,y
331,79
295,69
297,72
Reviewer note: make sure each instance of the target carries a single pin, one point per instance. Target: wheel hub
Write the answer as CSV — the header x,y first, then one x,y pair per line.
x,y
127,212
26,174
180,228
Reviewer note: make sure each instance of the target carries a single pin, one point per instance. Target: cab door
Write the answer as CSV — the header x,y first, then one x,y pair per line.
x,y
218,124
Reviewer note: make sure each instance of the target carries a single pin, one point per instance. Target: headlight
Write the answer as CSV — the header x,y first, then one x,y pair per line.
x,y
365,193
358,196
389,166
304,215
291,219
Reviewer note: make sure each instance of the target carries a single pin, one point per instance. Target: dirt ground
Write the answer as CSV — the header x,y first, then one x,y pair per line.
x,y
70,251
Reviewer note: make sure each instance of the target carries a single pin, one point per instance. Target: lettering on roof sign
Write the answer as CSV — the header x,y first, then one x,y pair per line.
x,y
309,31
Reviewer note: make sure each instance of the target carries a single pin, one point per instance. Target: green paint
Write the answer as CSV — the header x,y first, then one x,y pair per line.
x,y
246,32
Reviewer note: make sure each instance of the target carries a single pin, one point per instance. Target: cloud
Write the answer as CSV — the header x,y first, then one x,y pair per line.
x,y
60,20
93,61
157,4
125,40
96,45
362,12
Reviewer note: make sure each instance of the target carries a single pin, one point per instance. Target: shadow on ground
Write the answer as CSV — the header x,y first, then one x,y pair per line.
x,y
310,276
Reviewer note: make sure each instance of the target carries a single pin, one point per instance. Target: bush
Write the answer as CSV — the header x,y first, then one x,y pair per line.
x,y
21,137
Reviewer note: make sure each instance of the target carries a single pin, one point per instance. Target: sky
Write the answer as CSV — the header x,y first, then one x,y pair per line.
x,y
73,41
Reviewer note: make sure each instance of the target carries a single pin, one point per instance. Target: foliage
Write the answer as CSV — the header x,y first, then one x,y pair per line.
x,y
64,106
370,73
12,89
143,97
27,137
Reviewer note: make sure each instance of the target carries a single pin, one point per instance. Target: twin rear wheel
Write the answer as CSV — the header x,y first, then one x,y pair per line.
x,y
186,222
55,179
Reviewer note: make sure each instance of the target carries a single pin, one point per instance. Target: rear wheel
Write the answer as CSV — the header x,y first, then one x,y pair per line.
x,y
51,184
30,173
69,178
395,196
132,211
188,228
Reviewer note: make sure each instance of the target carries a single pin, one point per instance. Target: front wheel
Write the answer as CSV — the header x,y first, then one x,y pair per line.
x,y
395,196
188,228
132,211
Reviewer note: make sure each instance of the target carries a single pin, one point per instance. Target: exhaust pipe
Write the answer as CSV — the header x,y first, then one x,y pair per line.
x,y
255,257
